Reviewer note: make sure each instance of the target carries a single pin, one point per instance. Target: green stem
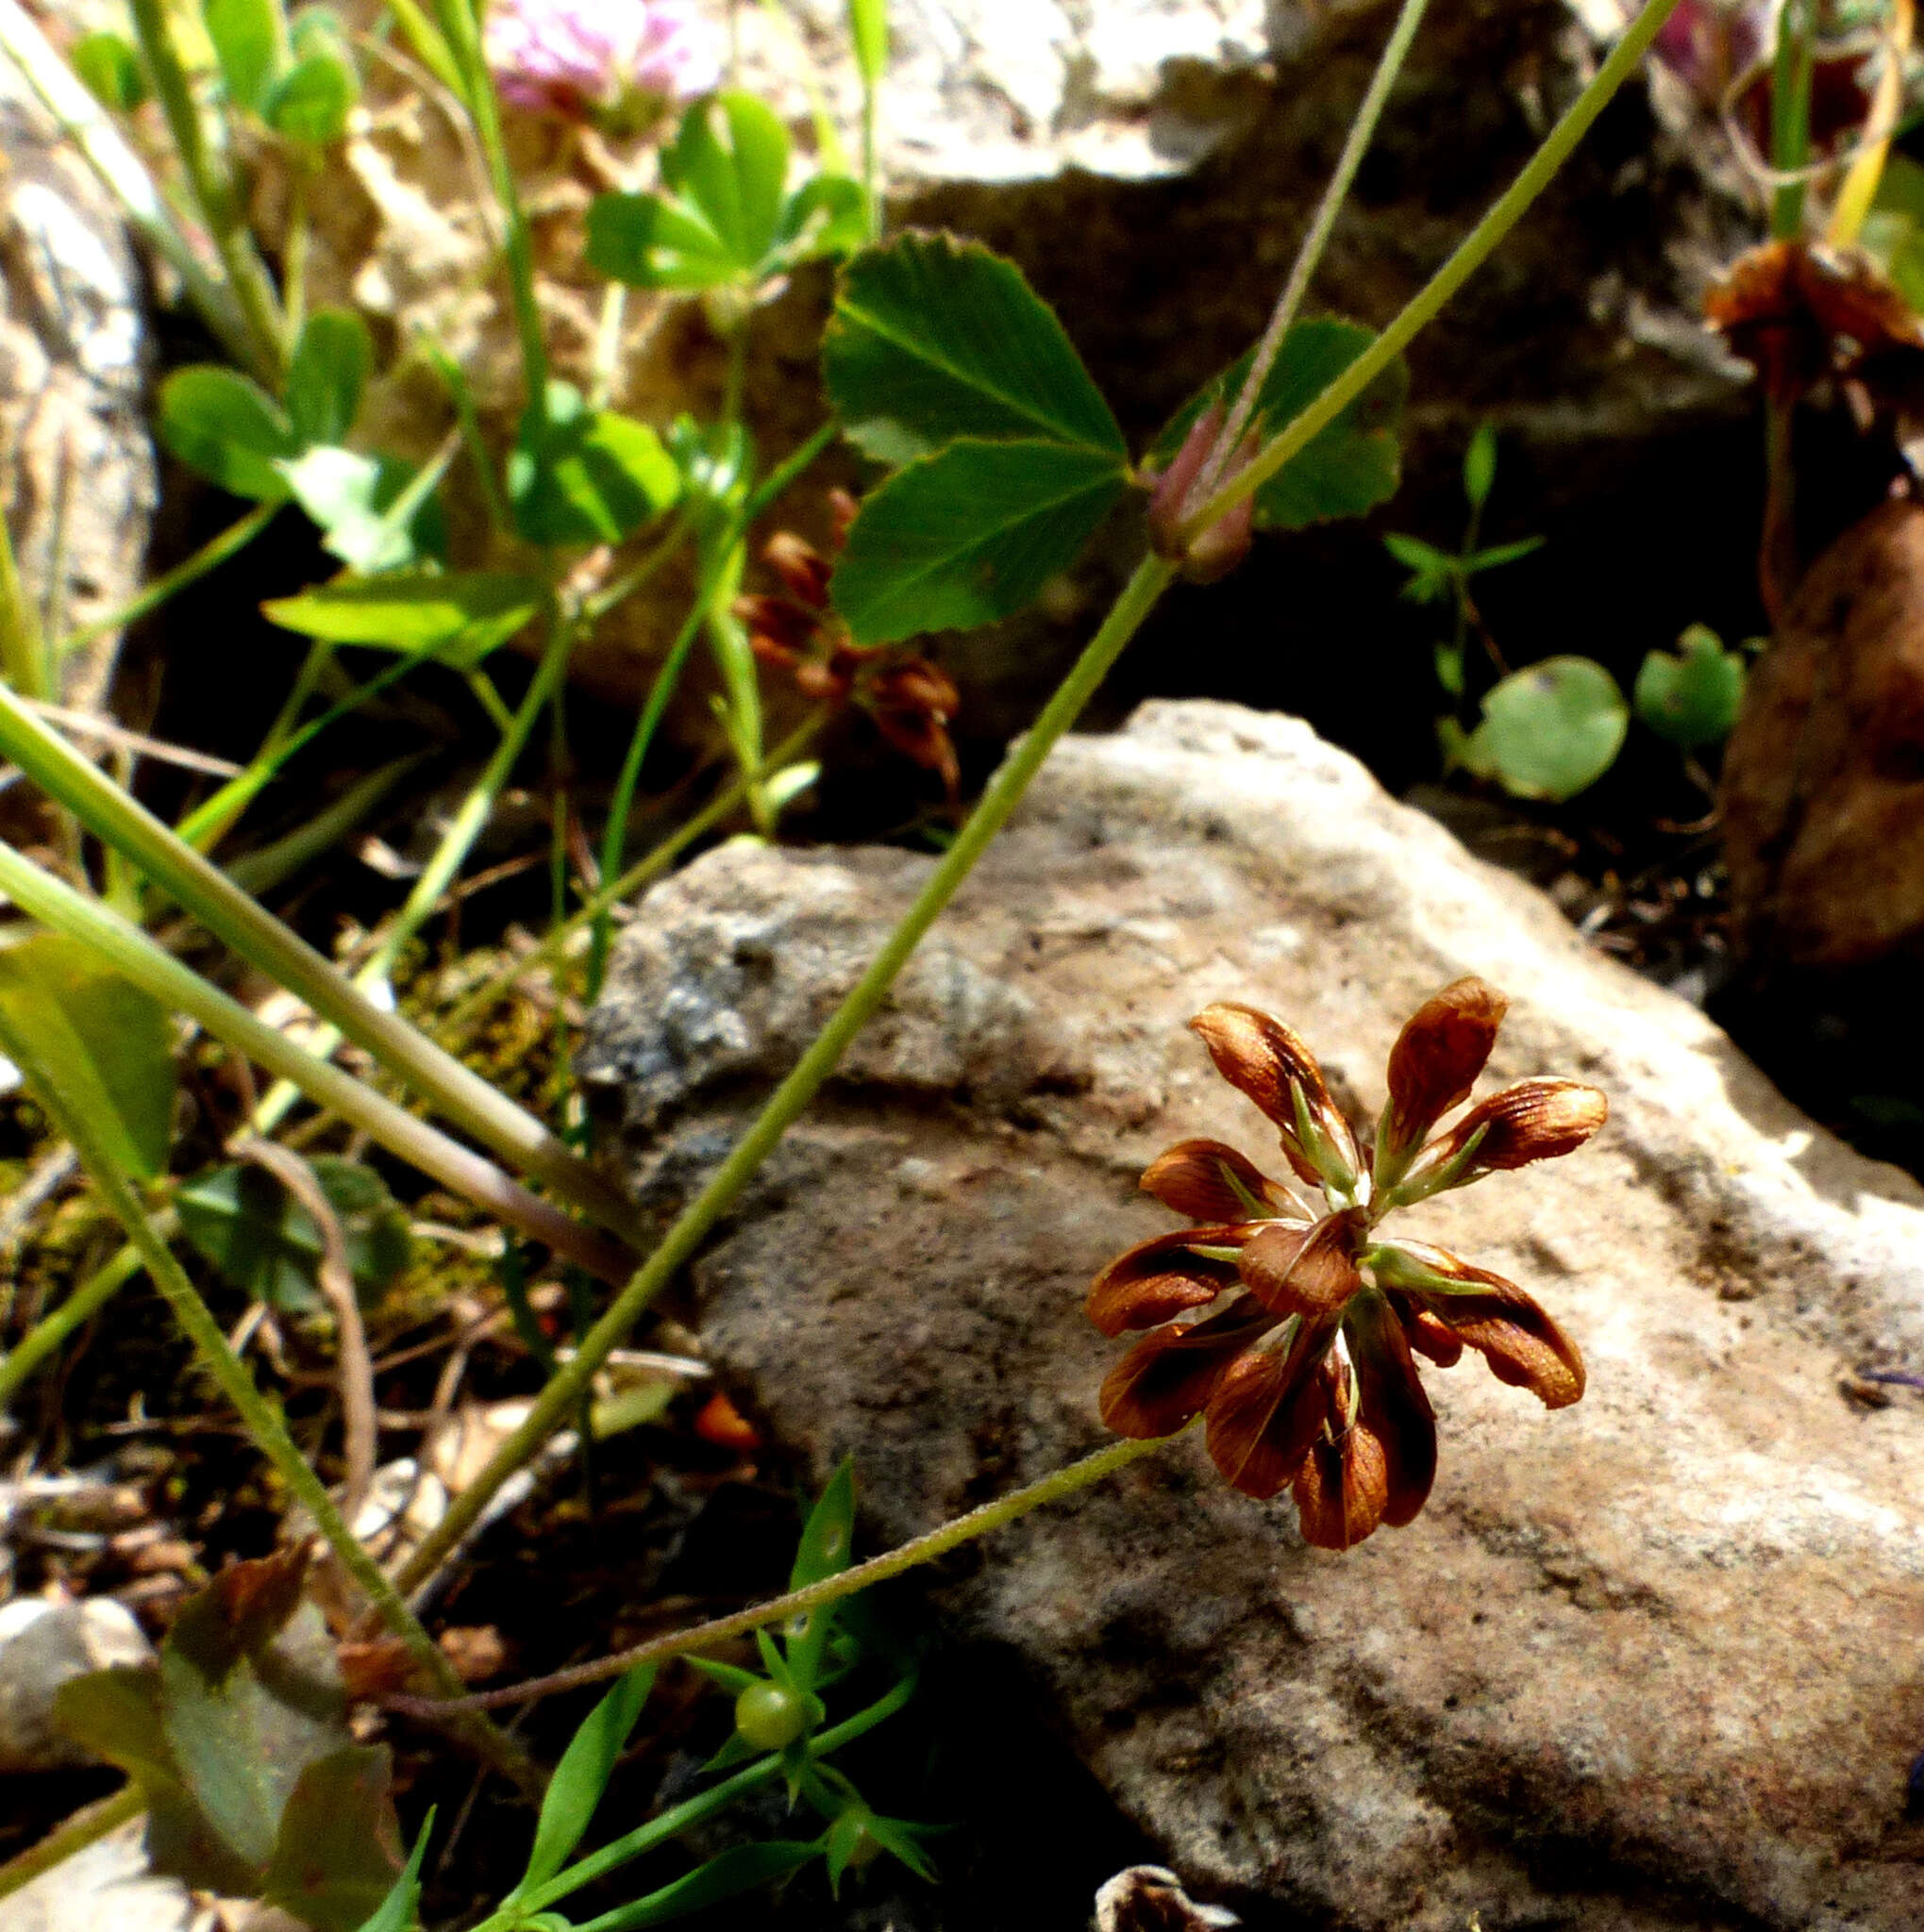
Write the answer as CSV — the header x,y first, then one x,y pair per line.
x,y
210,556
23,650
1361,130
557,1400
1470,255
456,1025
134,955
52,1330
800,1603
214,192
1790,117
261,1417
86,1827
203,889
691,1811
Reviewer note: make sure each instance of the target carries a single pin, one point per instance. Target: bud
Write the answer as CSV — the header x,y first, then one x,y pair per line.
x,y
1433,1065
1216,551
800,566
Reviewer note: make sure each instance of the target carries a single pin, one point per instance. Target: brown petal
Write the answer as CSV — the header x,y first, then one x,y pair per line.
x,y
1168,1376
800,566
1159,1279
1427,1335
1268,1409
1340,1492
1535,1119
1438,1055
1522,1345
1261,1056
1392,1409
1194,1179
1309,1271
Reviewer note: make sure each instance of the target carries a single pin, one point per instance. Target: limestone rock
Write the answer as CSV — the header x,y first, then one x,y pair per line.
x,y
79,480
105,1887
1824,776
1649,1663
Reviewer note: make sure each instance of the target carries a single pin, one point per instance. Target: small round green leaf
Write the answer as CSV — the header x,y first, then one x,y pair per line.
x,y
312,99
1692,698
327,374
227,429
247,43
582,476
1553,729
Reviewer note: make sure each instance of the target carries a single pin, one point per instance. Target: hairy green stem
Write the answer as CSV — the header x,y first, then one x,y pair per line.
x,y
1470,255
466,1099
139,958
558,1400
454,1027
799,1603
262,1419
86,1827
210,556
1361,130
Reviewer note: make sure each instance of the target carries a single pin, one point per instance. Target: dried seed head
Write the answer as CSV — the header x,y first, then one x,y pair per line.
x,y
1535,1119
1436,1059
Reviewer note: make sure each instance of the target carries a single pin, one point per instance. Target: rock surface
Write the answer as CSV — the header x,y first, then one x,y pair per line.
x,y
1824,776
78,477
105,1888
1649,1663
42,1646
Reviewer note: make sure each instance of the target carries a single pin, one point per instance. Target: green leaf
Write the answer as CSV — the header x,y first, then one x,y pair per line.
x,y
742,1869
728,164
828,1541
1499,554
1354,463
826,215
247,43
334,1859
934,339
582,1775
1447,660
106,1044
401,1910
458,617
265,1243
970,535
1550,730
311,101
116,1714
353,499
1432,572
651,243
326,375
591,478
868,27
227,429
1480,465
1692,698
109,68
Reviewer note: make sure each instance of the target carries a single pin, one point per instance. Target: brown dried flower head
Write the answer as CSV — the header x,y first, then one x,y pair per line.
x,y
1293,1328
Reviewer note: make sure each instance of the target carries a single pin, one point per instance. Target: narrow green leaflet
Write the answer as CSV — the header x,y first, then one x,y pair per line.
x,y
311,102
724,213
458,617
265,1243
934,339
1480,465
970,535
868,27
742,1869
582,476
401,1910
1353,464
327,374
227,429
1549,730
826,1549
1692,698
108,1045
110,67
247,41
582,1775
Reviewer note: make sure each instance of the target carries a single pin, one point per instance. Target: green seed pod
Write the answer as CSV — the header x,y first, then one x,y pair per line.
x,y
769,1717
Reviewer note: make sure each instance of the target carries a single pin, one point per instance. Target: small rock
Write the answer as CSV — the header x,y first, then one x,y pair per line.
x,y
105,1887
42,1646
1146,1898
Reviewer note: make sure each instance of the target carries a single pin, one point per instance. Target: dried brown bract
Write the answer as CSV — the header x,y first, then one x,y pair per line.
x,y
1293,1329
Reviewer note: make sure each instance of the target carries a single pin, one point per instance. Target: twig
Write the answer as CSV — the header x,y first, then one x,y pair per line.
x,y
109,732
335,1275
